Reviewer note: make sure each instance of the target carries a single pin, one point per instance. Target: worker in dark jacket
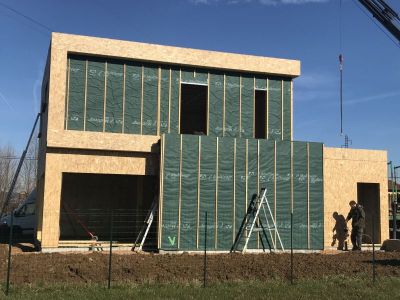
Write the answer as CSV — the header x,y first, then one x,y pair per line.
x,y
357,215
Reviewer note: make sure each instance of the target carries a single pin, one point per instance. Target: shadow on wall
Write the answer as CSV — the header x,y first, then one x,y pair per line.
x,y
340,232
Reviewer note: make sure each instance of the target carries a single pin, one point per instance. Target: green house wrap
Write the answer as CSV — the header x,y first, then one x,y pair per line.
x,y
96,76
207,198
232,106
225,191
134,97
114,104
76,94
221,175
188,195
150,100
300,210
164,100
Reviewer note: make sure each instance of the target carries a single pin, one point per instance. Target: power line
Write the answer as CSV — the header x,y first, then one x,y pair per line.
x,y
26,17
16,157
373,20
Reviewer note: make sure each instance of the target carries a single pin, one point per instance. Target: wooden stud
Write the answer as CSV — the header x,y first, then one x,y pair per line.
x,y
162,204
161,193
159,102
179,105
267,110
323,194
291,110
169,100
105,96
216,196
208,103
198,194
123,100
141,102
258,184
85,100
67,98
254,107
180,194
282,109
234,191
246,177
240,106
291,179
275,187
223,107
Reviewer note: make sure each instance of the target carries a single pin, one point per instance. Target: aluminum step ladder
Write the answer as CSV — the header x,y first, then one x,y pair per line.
x,y
260,219
146,226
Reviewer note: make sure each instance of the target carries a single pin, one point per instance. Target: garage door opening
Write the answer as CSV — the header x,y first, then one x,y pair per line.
x,y
88,199
193,109
368,195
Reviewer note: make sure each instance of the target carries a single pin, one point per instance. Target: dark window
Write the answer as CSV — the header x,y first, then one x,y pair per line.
x,y
260,115
193,109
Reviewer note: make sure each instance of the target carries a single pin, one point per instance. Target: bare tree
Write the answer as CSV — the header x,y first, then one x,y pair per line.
x,y
27,179
8,165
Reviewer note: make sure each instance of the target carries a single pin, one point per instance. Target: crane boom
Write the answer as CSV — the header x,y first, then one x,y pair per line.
x,y
384,14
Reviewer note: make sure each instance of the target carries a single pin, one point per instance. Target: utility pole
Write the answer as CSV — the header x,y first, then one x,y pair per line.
x,y
390,165
395,204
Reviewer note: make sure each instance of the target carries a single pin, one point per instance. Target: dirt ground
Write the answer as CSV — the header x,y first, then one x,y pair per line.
x,y
40,268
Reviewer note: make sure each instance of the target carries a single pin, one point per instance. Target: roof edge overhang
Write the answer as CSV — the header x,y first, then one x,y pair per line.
x,y
104,47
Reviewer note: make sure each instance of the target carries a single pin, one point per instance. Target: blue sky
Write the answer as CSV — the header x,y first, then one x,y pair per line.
x,y
307,30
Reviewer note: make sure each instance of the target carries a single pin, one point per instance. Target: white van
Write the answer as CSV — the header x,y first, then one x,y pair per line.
x,y
24,221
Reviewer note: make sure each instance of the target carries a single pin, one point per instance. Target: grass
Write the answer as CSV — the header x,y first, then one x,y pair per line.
x,y
329,288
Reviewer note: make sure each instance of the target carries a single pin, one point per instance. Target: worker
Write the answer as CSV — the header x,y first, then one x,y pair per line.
x,y
357,215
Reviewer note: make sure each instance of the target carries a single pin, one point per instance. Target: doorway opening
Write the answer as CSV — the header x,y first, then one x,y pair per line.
x,y
368,195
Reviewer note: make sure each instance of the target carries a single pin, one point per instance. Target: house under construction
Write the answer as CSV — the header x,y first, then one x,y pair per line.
x,y
124,123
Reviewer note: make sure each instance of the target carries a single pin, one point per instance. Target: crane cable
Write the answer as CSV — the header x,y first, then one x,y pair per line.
x,y
341,67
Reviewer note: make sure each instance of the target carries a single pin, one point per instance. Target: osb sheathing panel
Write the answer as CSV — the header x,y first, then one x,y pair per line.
x,y
343,169
175,55
104,141
57,163
62,44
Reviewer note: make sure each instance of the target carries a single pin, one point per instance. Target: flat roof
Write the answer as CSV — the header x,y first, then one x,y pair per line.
x,y
87,45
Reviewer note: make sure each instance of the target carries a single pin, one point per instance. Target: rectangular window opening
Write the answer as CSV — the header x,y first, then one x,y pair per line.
x,y
260,111
193,109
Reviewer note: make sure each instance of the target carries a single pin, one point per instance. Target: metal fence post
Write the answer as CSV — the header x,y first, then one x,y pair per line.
x,y
10,241
111,242
291,247
373,251
205,252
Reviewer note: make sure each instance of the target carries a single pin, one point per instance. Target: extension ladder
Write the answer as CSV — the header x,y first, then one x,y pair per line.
x,y
145,227
258,218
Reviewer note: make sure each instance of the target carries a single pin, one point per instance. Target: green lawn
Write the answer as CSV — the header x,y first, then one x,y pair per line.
x,y
333,288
